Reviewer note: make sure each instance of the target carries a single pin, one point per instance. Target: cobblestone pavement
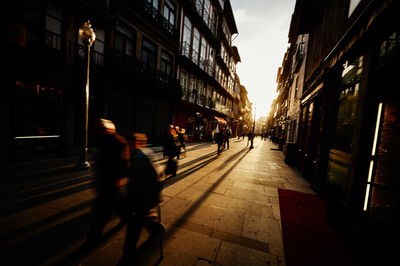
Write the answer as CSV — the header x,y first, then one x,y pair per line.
x,y
220,210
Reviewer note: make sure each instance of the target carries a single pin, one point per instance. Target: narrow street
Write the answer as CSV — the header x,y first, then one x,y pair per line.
x,y
218,209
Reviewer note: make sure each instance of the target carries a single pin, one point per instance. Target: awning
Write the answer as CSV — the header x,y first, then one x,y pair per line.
x,y
220,120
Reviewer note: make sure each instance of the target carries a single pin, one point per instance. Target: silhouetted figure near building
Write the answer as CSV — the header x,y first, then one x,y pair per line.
x,y
219,138
249,138
171,150
227,135
181,137
112,162
143,195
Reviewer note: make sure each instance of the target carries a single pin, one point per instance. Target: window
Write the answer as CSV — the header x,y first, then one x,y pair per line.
x,y
199,7
211,61
149,53
124,41
341,148
169,11
154,3
352,5
98,55
206,13
38,119
184,80
200,87
196,46
187,36
213,22
166,63
203,54
53,25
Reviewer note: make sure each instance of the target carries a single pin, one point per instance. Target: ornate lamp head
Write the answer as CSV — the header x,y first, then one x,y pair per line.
x,y
86,33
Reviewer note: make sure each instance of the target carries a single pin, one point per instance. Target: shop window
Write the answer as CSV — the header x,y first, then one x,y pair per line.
x,y
340,151
37,120
53,25
190,126
149,53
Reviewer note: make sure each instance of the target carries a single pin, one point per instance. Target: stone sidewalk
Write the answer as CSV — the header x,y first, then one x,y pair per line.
x,y
220,210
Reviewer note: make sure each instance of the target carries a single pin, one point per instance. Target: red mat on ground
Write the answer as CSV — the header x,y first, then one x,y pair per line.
x,y
308,238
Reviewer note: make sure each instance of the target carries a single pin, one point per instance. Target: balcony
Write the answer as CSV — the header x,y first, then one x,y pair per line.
x,y
154,16
76,53
203,16
207,66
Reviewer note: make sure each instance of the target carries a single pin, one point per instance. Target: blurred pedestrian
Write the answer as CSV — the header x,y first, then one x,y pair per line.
x,y
143,196
228,135
172,150
112,162
219,138
181,137
249,138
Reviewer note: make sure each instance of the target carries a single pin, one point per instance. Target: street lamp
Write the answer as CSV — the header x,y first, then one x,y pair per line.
x,y
88,36
254,125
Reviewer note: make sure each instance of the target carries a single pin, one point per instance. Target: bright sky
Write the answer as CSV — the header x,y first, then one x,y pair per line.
x,y
263,27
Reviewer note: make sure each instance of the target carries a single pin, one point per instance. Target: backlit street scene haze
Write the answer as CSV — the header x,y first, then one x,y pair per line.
x,y
200,132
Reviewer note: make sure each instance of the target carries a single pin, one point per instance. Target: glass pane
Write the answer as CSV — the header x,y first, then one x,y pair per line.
x,y
149,46
99,47
155,4
100,34
119,43
130,49
53,25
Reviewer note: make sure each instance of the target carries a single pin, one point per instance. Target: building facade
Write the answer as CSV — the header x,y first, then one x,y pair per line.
x,y
348,137
133,73
207,68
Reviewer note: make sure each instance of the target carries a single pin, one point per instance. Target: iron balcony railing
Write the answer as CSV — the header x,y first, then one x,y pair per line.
x,y
187,51
193,97
159,19
211,23
79,51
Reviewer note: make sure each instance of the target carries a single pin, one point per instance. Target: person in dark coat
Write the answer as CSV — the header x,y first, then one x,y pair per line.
x,y
228,135
172,150
112,162
143,195
219,138
249,138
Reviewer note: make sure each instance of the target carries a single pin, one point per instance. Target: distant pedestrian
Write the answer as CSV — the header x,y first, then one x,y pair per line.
x,y
228,135
219,138
112,162
181,137
171,150
249,138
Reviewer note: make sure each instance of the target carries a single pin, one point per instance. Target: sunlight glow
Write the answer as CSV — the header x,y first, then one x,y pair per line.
x,y
263,27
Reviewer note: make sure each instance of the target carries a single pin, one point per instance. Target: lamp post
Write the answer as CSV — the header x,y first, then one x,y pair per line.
x,y
254,125
88,36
